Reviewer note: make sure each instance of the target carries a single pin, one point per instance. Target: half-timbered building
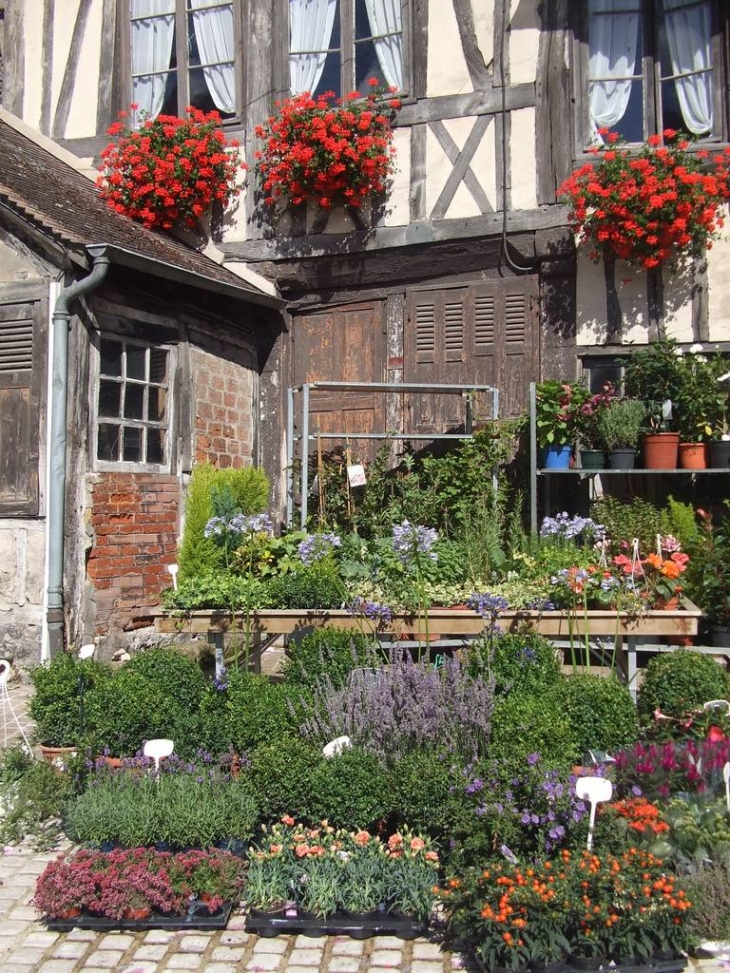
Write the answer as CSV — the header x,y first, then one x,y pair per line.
x,y
469,274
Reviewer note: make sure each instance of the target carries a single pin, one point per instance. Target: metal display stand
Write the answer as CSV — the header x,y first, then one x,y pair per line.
x,y
537,472
387,388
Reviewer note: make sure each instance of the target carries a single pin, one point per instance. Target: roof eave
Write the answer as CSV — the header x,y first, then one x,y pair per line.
x,y
160,268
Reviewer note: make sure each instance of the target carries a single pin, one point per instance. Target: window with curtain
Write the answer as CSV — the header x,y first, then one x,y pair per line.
x,y
654,64
184,52
338,45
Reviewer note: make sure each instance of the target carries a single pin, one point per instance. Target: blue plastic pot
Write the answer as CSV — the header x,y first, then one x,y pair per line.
x,y
556,457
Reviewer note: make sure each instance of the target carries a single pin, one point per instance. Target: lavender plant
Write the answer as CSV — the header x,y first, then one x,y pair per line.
x,y
414,545
409,705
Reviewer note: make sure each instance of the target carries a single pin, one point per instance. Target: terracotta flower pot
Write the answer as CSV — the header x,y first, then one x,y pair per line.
x,y
693,456
137,913
660,450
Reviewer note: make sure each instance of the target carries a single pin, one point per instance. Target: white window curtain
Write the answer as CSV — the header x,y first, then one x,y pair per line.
x,y
151,51
612,42
385,18
214,33
310,30
689,35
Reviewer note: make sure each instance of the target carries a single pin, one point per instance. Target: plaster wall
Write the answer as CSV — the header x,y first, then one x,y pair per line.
x,y
446,74
22,553
522,159
718,277
524,40
33,54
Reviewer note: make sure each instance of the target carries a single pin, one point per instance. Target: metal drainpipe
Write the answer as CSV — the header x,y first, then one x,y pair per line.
x,y
57,479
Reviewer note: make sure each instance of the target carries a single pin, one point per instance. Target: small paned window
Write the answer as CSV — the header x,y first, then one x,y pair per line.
x,y
339,45
133,403
651,65
184,52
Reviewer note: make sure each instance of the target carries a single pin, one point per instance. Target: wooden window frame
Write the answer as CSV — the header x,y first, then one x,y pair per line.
x,y
347,46
650,72
124,32
169,425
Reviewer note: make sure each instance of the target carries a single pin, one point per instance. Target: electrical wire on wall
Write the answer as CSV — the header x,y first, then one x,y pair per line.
x,y
504,243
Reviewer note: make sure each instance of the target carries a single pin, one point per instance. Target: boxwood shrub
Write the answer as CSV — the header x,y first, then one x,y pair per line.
x,y
600,711
678,682
523,724
519,663
328,651
350,790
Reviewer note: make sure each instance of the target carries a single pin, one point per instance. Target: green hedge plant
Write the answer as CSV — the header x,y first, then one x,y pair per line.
x,y
600,711
678,682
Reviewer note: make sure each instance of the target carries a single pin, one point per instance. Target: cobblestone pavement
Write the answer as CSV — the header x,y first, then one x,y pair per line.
x,y
26,946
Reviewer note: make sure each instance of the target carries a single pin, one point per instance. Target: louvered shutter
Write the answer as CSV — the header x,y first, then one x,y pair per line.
x,y
485,333
20,385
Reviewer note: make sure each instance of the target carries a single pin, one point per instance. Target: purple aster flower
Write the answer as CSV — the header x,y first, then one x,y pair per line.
x,y
533,758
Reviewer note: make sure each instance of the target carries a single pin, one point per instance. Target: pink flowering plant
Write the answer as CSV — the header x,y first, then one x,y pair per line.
x,y
111,883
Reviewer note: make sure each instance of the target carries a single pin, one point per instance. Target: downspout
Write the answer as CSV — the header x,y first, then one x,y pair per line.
x,y
57,464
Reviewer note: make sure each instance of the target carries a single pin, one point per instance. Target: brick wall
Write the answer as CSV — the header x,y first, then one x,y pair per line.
x,y
134,524
223,400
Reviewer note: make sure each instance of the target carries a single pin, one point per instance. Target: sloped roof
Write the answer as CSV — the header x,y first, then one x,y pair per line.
x,y
66,205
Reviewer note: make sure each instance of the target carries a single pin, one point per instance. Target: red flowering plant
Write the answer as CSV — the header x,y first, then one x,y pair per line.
x,y
650,206
331,151
169,170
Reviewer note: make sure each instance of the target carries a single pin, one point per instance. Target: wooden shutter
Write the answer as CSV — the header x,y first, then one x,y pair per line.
x,y
483,333
22,373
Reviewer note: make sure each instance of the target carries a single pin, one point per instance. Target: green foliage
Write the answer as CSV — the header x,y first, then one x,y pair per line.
x,y
329,651
317,586
32,796
250,711
217,589
654,374
213,492
56,707
710,577
558,411
708,889
421,791
156,694
600,712
280,775
350,790
620,424
524,724
524,663
185,810
452,492
624,521
678,682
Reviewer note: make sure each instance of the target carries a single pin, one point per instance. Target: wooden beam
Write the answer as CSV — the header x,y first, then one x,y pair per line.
x,y
47,67
448,621
14,58
475,63
107,66
70,74
461,171
386,237
472,103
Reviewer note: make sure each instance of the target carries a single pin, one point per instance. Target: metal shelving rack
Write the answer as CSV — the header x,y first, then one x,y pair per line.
x,y
388,388
536,472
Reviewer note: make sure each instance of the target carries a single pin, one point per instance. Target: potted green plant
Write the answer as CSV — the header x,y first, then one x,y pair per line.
x,y
363,888
557,407
64,704
412,872
619,427
654,375
592,450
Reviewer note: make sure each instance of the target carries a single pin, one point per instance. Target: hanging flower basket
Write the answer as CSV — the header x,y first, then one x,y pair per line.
x,y
331,152
648,206
169,170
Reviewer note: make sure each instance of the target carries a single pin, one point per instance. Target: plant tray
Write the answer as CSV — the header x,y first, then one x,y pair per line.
x,y
357,928
198,918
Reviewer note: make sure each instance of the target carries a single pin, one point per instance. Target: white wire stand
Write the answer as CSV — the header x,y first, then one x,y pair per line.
x,y
7,705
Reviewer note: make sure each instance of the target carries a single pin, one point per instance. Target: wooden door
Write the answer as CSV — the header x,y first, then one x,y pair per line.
x,y
484,333
342,344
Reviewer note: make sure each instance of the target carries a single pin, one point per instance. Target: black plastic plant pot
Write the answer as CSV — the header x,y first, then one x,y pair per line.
x,y
197,917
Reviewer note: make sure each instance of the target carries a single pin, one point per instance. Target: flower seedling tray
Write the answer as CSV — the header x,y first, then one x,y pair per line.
x,y
196,918
356,927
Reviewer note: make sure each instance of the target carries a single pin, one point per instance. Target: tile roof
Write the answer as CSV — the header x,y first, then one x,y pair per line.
x,y
66,205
